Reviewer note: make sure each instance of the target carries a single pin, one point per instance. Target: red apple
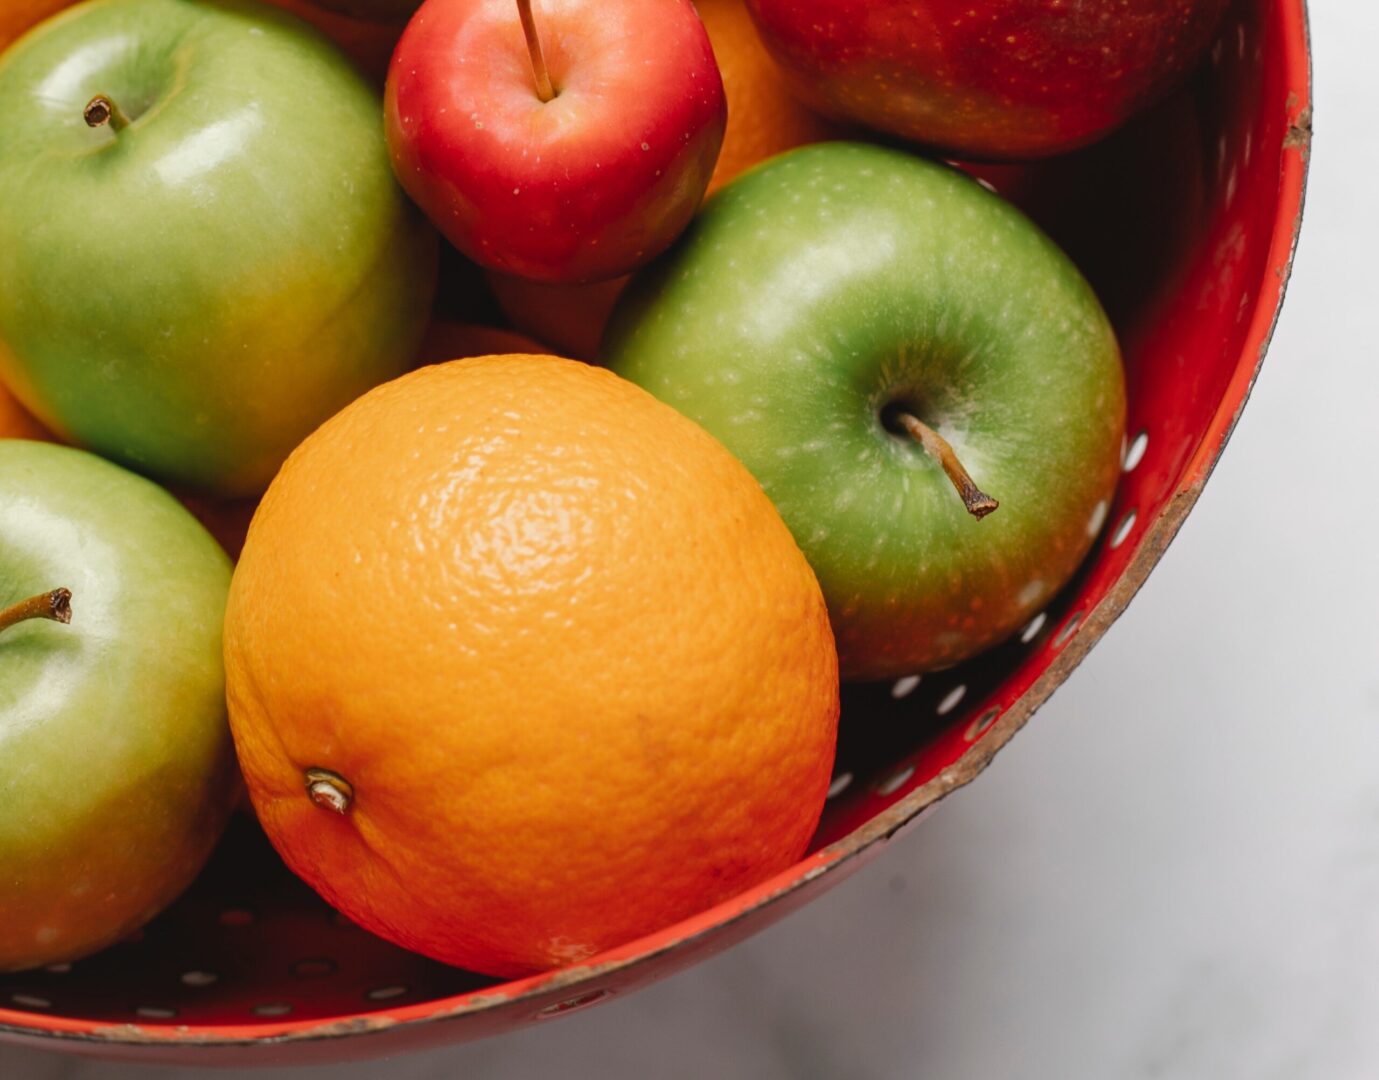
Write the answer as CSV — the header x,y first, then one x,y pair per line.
x,y
763,121
1016,79
589,184
570,318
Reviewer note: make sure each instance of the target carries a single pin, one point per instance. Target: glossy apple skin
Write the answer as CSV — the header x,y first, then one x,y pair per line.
x,y
193,295
117,772
830,282
1017,79
584,187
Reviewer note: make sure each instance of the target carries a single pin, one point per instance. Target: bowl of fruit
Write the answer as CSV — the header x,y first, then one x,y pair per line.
x,y
502,499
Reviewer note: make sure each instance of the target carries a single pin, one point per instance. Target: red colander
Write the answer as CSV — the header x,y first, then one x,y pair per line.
x,y
1185,222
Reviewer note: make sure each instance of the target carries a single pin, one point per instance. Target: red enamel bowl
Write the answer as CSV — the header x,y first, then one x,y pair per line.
x,y
1186,223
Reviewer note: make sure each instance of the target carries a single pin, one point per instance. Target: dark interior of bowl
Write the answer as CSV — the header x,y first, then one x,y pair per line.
x,y
1172,219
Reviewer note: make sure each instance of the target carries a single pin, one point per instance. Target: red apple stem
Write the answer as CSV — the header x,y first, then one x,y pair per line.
x,y
978,502
55,606
100,110
544,90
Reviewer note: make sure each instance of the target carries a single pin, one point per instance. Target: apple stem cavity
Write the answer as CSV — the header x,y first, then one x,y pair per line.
x,y
55,606
544,90
100,110
329,790
978,502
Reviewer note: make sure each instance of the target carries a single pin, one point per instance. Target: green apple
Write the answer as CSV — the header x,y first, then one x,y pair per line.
x,y
828,315
117,772
203,251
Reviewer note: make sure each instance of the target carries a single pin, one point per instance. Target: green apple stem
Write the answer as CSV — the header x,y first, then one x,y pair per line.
x,y
100,110
56,606
978,503
544,90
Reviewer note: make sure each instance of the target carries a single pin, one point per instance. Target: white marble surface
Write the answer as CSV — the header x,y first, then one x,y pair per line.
x,y
1174,872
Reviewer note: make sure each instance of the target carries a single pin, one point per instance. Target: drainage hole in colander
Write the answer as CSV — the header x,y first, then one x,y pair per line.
x,y
58,969
1134,453
1123,529
839,785
31,1001
199,978
895,781
272,1008
155,1012
571,1004
981,725
951,699
1067,631
385,993
1032,628
904,687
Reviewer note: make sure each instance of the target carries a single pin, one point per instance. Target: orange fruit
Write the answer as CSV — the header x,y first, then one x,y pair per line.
x,y
17,423
522,664
763,121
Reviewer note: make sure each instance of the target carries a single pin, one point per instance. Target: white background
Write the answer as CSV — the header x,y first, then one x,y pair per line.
x,y
1174,871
